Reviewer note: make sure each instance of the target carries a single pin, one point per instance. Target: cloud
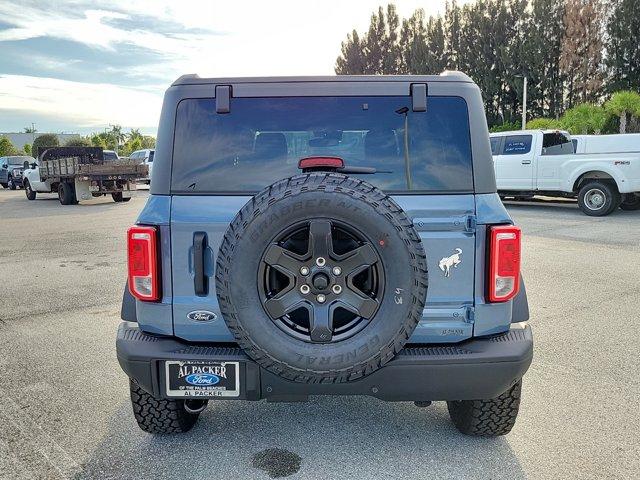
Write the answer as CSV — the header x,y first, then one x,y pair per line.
x,y
119,51
84,105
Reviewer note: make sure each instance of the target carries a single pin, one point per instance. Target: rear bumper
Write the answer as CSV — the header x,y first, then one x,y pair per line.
x,y
480,368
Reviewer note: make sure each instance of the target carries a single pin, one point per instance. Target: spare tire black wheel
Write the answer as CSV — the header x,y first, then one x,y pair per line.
x,y
321,278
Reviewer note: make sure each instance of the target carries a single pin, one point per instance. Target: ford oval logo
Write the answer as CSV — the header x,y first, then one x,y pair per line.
x,y
202,379
202,316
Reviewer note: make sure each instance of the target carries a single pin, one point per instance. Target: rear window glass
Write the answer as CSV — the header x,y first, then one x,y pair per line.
x,y
262,139
151,153
517,145
557,143
18,160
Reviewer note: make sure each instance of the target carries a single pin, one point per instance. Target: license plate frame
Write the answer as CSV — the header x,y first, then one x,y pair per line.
x,y
202,373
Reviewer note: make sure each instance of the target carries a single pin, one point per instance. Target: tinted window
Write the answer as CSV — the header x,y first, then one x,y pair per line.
x,y
517,145
575,144
556,143
15,161
151,156
495,143
262,139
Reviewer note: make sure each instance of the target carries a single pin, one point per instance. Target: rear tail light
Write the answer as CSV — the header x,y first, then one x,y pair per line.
x,y
504,262
144,283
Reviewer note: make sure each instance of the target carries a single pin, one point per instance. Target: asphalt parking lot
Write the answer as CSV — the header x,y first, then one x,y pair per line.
x,y
65,412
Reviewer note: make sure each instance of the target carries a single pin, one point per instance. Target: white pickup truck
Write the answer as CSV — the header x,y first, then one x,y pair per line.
x,y
543,162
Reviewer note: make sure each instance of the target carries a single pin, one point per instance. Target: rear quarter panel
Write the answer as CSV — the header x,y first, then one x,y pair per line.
x,y
624,168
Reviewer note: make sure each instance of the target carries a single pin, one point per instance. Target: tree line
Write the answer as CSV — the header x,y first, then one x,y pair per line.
x,y
114,139
573,52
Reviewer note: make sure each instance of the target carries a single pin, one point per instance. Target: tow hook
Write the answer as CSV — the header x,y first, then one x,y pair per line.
x,y
195,406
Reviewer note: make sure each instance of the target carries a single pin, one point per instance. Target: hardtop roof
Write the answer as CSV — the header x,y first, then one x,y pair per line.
x,y
446,76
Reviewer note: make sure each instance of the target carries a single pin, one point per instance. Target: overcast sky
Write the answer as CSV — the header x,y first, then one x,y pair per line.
x,y
76,66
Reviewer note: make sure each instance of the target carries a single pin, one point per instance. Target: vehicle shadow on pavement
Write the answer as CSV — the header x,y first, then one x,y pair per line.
x,y
336,437
566,207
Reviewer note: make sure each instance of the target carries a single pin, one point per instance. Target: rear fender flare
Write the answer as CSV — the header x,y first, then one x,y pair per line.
x,y
128,309
603,172
520,305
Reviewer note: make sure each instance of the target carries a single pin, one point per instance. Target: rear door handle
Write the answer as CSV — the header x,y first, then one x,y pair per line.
x,y
200,281
526,162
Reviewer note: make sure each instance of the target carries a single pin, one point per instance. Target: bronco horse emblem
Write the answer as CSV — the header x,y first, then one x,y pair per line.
x,y
453,261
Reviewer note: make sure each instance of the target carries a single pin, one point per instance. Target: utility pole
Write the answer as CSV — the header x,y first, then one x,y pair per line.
x,y
524,104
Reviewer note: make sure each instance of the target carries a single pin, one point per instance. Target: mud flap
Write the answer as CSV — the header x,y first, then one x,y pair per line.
x,y
83,191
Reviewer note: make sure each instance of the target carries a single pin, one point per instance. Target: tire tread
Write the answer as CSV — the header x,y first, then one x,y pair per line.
x,y
338,184
157,415
487,418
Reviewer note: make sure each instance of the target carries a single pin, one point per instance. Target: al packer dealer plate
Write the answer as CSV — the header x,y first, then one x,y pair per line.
x,y
202,379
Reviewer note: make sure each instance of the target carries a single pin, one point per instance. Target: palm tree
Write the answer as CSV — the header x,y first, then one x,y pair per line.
x,y
135,133
117,134
622,103
584,118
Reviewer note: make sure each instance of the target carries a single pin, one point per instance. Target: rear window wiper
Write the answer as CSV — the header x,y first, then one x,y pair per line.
x,y
361,170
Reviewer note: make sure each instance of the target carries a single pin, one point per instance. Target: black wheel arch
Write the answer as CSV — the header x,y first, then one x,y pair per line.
x,y
593,175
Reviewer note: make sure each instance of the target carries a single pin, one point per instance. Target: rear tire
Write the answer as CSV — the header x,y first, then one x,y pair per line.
x,y
65,193
630,202
29,192
119,197
487,418
4,185
597,198
158,415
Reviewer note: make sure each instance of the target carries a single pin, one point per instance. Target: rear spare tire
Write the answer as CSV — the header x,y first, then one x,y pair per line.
x,y
340,272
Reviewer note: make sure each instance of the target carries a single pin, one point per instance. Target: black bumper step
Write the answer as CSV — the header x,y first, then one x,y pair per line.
x,y
479,368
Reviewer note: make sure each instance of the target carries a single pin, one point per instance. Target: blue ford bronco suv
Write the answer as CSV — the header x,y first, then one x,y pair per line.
x,y
324,236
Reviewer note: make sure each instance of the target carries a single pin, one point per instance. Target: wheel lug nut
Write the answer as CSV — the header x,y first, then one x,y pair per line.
x,y
304,271
304,289
336,289
321,298
337,271
320,261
